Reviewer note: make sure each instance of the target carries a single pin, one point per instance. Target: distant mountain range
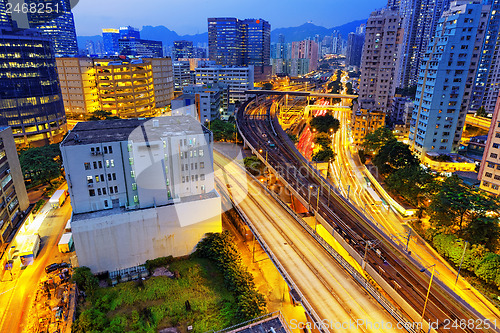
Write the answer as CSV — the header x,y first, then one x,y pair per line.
x,y
292,34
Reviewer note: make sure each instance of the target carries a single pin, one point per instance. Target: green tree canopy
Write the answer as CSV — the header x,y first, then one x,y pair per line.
x,y
102,115
85,280
322,139
411,182
374,141
481,112
254,165
41,164
324,155
267,86
393,156
325,123
222,130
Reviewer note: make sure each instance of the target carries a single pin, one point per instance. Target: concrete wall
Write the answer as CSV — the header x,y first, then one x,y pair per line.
x,y
118,241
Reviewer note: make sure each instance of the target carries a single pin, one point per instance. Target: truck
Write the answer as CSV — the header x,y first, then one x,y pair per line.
x,y
57,200
29,249
67,228
65,243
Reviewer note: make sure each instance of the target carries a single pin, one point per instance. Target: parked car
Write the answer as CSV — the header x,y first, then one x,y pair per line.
x,y
52,267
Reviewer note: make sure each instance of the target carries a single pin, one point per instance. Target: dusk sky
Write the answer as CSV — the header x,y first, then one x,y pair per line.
x,y
190,16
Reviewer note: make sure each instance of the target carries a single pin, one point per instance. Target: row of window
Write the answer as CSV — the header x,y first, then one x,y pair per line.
x,y
493,186
98,164
103,191
194,178
194,166
192,153
100,178
97,150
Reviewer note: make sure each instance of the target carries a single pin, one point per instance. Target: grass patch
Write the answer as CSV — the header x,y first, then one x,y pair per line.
x,y
159,302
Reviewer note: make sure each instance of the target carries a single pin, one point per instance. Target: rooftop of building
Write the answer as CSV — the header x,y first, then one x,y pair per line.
x,y
271,322
115,130
117,210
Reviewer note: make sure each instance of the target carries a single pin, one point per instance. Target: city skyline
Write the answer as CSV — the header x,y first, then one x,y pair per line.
x,y
280,15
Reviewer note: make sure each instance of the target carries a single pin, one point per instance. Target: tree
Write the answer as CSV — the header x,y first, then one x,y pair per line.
x,y
451,203
489,268
324,155
254,165
267,86
322,139
393,156
481,112
374,141
222,130
412,183
85,280
349,90
102,115
41,164
325,123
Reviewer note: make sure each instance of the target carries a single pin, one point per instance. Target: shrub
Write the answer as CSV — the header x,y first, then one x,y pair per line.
x,y
151,265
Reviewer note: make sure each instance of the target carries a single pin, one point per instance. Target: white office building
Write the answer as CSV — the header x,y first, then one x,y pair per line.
x,y
140,189
238,79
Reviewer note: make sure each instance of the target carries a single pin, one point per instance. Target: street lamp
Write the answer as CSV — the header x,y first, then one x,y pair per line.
x,y
428,289
461,262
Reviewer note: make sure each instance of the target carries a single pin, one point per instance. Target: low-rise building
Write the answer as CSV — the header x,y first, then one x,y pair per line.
x,y
365,121
238,79
140,189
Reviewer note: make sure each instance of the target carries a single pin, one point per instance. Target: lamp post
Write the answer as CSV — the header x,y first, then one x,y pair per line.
x,y
461,262
309,196
428,289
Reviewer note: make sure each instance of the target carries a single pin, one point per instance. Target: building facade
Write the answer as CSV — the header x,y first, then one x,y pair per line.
x,y
182,74
137,188
61,30
14,202
445,81
381,51
30,95
354,49
489,172
365,121
131,88
182,49
141,48
306,49
238,79
110,39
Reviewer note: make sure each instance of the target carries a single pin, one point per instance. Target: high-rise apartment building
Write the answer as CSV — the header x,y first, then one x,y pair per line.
x,y
110,39
182,49
234,42
182,75
137,188
354,49
420,18
446,77
238,79
486,84
306,49
61,29
143,48
379,60
489,173
30,95
14,201
130,88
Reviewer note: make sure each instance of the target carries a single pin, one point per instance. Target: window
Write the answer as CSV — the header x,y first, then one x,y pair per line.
x,y
92,193
109,177
99,192
202,165
488,174
495,187
192,166
196,177
111,189
97,178
95,165
202,176
183,179
104,191
497,177
496,145
110,149
134,186
89,180
491,165
114,176
168,182
493,155
182,167
107,163
486,184
196,166
131,160
136,199
112,162
497,135
132,174
102,178
87,165
105,203
100,164
116,189
105,150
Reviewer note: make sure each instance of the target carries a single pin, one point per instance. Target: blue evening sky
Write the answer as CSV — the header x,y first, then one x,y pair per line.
x,y
190,16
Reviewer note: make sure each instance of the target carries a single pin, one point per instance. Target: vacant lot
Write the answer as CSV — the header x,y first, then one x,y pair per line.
x,y
160,302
